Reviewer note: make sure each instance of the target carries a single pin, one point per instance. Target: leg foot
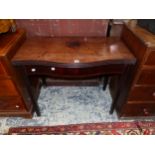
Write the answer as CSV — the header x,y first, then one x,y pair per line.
x,y
43,79
106,80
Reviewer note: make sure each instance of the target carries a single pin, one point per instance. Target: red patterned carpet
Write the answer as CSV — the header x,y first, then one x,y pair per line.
x,y
115,128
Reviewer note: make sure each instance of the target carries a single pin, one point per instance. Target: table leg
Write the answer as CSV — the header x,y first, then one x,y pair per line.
x,y
28,85
44,83
124,85
105,82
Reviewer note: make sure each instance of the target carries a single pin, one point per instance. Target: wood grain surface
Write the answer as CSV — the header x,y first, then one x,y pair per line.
x,y
145,36
72,50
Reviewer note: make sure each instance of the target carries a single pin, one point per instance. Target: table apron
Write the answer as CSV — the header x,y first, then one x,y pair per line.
x,y
61,72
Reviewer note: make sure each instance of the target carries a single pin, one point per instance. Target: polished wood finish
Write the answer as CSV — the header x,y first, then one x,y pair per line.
x,y
142,94
150,59
76,58
146,77
2,70
11,104
14,98
146,37
73,51
74,72
135,44
7,88
140,109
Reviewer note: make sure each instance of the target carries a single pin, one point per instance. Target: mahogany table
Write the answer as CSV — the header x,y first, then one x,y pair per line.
x,y
76,58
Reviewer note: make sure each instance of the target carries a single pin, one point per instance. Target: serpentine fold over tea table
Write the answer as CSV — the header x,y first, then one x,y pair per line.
x,y
76,58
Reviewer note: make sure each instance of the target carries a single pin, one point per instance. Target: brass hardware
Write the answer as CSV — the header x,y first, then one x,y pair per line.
x,y
33,70
52,68
17,106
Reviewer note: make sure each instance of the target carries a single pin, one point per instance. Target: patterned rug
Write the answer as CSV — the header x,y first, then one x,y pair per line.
x,y
114,128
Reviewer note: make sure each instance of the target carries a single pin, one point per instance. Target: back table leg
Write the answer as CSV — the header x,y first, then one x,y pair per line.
x,y
44,83
105,82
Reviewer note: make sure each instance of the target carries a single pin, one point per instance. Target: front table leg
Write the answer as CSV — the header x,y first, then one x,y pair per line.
x,y
28,85
124,85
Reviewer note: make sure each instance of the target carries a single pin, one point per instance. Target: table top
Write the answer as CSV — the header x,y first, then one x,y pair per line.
x,y
73,50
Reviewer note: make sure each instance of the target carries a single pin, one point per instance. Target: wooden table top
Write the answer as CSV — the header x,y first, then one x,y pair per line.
x,y
71,50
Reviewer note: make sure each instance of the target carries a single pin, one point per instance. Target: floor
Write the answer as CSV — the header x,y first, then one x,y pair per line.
x,y
67,105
